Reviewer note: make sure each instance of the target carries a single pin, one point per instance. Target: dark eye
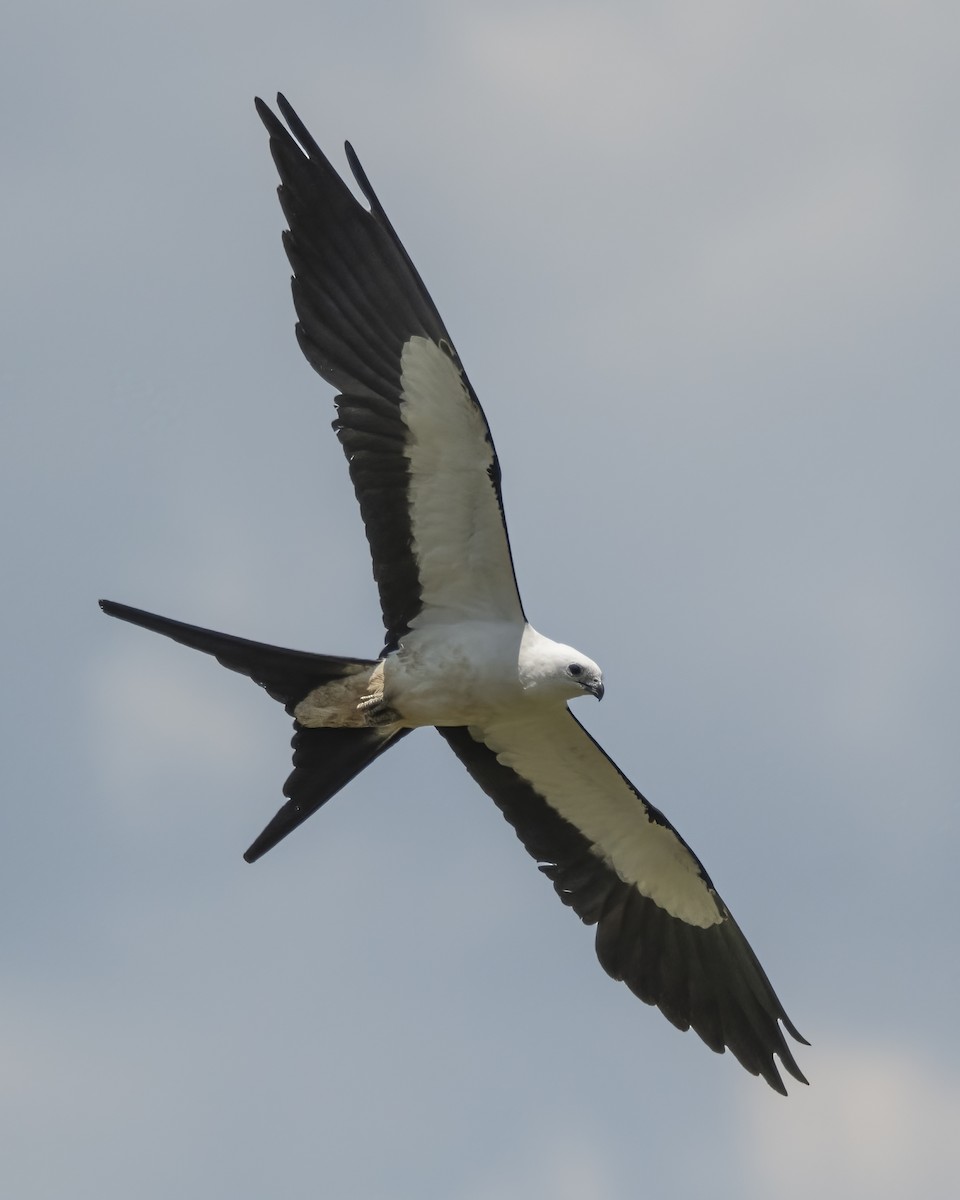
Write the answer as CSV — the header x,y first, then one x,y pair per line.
x,y
575,670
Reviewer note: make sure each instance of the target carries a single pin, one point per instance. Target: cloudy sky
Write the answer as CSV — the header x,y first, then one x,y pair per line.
x,y
701,262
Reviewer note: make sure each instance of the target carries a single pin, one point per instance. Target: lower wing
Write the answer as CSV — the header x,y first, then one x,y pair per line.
x,y
615,859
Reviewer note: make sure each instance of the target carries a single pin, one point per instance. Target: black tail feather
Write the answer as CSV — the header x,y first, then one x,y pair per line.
x,y
324,760
286,675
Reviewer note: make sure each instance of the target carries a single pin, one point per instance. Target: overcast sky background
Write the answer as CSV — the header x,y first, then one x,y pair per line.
x,y
701,263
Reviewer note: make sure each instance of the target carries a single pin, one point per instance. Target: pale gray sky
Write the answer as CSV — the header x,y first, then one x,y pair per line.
x,y
701,263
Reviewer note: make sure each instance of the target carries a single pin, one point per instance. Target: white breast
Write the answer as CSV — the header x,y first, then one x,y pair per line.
x,y
455,674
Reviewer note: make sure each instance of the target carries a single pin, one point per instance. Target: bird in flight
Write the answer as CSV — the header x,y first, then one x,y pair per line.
x,y
459,654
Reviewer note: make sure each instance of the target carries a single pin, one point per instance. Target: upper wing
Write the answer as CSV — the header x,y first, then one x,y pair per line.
x,y
661,927
419,448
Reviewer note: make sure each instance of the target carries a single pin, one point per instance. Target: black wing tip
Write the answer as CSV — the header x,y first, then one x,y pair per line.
x,y
296,127
788,1063
363,182
776,1083
286,108
767,1066
290,134
793,1031
271,121
773,1075
263,107
763,1060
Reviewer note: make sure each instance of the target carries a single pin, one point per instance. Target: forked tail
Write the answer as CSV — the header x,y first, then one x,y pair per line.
x,y
324,760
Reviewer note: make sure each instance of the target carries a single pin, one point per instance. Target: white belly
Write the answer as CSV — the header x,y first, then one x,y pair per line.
x,y
455,675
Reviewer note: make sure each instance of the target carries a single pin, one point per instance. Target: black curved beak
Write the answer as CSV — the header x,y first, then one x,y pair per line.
x,y
595,689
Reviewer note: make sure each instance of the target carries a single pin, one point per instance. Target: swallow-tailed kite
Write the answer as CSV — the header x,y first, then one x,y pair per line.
x,y
459,653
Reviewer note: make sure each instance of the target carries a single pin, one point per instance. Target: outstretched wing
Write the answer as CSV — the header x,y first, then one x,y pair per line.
x,y
420,453
618,862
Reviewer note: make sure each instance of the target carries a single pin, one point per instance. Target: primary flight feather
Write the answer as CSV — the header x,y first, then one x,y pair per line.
x,y
459,653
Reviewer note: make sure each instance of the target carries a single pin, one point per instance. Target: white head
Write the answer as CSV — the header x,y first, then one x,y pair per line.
x,y
555,670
